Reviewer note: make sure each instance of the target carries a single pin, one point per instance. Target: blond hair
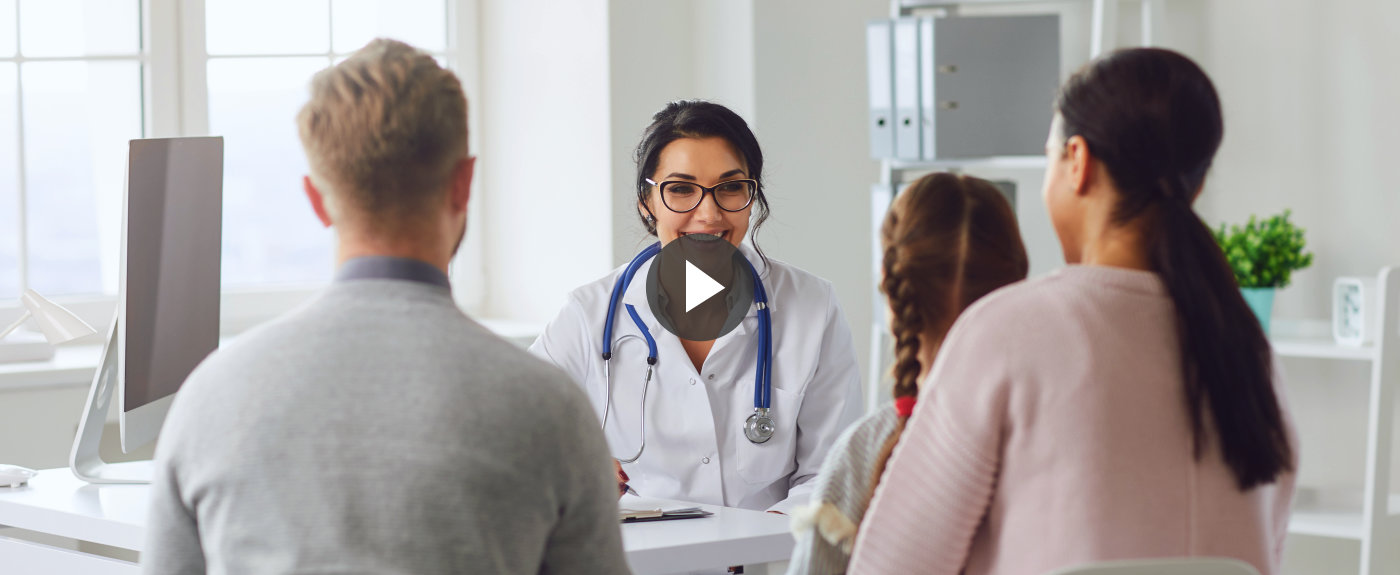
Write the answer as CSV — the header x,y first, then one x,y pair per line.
x,y
383,131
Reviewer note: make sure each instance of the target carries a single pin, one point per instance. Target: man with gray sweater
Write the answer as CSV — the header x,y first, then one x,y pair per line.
x,y
378,429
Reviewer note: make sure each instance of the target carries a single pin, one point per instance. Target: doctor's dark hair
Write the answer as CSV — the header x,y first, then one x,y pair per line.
x,y
948,240
700,119
1153,119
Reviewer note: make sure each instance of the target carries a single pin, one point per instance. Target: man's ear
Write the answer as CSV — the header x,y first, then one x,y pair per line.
x,y
461,191
1081,163
318,201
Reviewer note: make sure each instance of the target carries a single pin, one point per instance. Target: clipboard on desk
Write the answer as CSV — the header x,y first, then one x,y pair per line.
x,y
645,515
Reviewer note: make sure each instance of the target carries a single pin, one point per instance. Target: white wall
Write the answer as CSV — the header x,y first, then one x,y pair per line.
x,y
664,51
1310,90
650,63
810,117
797,75
545,158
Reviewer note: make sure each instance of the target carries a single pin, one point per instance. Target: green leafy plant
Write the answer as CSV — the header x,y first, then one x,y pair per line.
x,y
1264,253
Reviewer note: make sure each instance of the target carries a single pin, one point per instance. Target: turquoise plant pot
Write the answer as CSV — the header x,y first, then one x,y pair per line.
x,y
1261,301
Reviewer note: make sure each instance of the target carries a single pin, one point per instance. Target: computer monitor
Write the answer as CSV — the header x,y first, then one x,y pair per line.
x,y
167,318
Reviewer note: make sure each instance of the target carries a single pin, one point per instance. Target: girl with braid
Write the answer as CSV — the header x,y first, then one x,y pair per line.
x,y
948,240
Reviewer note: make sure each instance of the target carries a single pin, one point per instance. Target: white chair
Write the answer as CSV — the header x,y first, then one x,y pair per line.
x,y
1191,566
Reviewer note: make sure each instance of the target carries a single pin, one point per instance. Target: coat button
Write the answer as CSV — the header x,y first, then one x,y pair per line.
x,y
705,460
712,377
692,381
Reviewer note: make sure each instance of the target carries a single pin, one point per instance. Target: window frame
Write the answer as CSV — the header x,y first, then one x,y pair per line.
x,y
175,99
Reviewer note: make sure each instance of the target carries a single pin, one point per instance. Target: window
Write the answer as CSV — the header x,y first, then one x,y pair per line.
x,y
257,73
78,78
71,77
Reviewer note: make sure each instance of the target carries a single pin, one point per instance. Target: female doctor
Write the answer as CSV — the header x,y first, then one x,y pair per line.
x,y
684,428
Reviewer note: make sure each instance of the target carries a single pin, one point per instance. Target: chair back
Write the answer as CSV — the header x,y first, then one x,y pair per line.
x,y
1173,566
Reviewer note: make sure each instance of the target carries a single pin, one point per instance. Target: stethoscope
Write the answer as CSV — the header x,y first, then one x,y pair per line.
x,y
759,427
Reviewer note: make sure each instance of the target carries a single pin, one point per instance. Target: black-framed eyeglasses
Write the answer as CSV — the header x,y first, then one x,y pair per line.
x,y
730,196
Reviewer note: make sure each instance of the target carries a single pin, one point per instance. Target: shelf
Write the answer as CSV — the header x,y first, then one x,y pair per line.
x,y
1331,518
1321,347
1037,162
1337,524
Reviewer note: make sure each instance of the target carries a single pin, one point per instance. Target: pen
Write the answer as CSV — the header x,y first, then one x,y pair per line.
x,y
628,489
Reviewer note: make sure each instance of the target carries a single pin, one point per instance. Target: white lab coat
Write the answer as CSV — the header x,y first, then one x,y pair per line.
x,y
695,444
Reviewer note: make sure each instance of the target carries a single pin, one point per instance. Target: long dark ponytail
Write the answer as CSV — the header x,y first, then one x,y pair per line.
x,y
1153,118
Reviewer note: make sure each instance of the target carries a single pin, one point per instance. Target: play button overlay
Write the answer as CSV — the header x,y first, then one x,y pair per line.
x,y
700,287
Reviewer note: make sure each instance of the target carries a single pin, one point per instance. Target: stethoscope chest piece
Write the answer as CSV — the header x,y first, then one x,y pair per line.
x,y
759,427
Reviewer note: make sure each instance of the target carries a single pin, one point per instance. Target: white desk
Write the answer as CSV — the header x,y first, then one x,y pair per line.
x,y
58,504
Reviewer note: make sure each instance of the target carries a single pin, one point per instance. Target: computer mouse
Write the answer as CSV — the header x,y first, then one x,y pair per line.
x,y
14,475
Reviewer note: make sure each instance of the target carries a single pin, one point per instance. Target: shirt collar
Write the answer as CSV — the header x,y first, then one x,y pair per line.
x,y
392,268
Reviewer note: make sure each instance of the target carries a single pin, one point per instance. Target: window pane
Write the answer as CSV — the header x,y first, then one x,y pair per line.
x,y
7,28
267,26
78,117
270,233
422,23
9,184
79,27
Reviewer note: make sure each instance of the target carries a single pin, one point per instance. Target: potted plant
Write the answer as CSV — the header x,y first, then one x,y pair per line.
x,y
1263,254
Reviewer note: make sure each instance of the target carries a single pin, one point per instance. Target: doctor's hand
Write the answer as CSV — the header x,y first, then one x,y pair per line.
x,y
621,479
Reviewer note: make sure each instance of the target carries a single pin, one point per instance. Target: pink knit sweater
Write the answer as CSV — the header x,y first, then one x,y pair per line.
x,y
1052,432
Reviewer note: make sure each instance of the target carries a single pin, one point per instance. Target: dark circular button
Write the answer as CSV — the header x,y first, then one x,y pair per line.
x,y
700,287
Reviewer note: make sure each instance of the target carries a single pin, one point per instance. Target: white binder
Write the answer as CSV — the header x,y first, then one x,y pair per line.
x,y
881,85
906,89
928,135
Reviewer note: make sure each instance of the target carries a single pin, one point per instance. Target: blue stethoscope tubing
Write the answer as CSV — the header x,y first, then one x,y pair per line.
x,y
759,427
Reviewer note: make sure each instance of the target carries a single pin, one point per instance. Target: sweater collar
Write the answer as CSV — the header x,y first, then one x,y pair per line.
x,y
391,268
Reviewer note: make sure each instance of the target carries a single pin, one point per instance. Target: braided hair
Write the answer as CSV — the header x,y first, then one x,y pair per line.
x,y
948,240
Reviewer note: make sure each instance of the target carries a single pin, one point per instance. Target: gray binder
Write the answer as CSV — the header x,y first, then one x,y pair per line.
x,y
906,89
881,85
994,83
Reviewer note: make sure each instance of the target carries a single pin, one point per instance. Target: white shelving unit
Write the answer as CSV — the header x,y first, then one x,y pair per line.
x,y
1371,517
1321,348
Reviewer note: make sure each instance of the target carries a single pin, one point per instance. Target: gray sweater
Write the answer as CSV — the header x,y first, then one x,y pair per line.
x,y
380,430
826,529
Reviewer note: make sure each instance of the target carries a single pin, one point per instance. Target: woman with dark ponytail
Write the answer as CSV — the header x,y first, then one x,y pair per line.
x,y
1126,406
948,240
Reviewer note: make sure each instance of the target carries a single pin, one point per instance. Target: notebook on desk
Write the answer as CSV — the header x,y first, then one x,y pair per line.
x,y
658,514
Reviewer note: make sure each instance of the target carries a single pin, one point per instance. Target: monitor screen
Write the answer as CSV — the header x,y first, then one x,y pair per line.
x,y
168,316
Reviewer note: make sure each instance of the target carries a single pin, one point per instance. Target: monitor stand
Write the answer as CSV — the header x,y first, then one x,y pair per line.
x,y
86,457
